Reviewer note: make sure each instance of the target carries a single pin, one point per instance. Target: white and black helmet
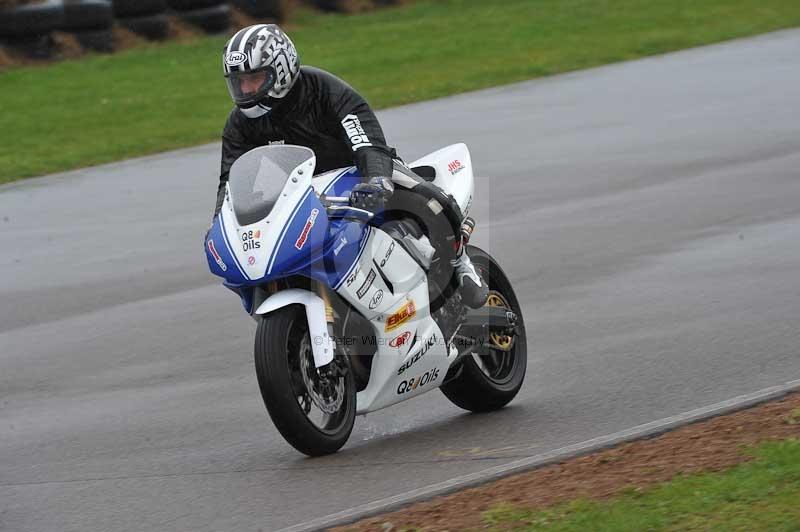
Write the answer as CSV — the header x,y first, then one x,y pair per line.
x,y
260,64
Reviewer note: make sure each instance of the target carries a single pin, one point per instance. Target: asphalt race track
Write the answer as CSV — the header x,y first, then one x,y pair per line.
x,y
647,212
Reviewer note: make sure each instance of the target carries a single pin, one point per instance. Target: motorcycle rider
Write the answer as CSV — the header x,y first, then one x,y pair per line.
x,y
278,101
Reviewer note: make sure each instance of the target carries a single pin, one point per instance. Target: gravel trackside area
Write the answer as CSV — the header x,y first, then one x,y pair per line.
x,y
713,445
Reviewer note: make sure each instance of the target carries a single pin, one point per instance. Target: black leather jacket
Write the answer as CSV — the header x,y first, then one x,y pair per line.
x,y
321,112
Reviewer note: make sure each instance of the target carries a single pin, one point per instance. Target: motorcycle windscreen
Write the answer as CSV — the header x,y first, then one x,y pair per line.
x,y
258,177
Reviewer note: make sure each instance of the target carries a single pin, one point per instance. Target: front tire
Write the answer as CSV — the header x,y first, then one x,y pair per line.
x,y
490,378
315,415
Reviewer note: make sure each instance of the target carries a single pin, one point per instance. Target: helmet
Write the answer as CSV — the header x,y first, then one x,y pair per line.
x,y
261,65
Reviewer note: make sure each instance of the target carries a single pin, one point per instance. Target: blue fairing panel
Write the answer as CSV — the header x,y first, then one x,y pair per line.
x,y
220,260
302,240
343,184
245,293
342,250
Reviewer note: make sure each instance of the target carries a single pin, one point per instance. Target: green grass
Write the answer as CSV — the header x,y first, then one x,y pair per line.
x,y
760,495
104,108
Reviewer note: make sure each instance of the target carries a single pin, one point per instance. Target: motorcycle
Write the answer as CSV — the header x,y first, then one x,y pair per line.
x,y
358,310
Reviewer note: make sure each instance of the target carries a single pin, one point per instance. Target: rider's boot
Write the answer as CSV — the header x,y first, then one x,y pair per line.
x,y
474,290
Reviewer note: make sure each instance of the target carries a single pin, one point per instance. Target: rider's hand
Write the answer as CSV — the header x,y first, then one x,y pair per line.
x,y
373,194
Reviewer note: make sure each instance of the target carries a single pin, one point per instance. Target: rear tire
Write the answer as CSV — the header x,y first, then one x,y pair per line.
x,y
281,340
491,378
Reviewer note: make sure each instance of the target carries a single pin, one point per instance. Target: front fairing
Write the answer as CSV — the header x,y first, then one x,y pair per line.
x,y
295,238
287,239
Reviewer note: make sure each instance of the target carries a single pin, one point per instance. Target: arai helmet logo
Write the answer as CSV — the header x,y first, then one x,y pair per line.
x,y
235,58
376,299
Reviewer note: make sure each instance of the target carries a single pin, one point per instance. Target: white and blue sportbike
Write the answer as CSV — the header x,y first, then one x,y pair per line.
x,y
356,310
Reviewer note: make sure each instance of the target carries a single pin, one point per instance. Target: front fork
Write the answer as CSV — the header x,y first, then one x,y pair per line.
x,y
338,367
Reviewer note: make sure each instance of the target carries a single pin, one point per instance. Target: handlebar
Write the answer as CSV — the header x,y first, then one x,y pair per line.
x,y
345,200
339,207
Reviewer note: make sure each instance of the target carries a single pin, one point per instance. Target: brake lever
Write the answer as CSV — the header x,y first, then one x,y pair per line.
x,y
339,207
349,213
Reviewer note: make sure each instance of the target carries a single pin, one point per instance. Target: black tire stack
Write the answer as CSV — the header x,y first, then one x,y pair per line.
x,y
211,16
28,27
353,6
330,5
91,22
144,17
264,10
344,6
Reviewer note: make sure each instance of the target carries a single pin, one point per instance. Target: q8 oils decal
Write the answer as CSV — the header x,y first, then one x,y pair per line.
x,y
419,381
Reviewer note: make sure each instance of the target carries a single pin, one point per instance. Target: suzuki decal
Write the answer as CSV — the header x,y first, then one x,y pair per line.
x,y
376,299
424,349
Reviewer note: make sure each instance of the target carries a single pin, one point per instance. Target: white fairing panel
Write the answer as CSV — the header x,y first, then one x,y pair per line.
x,y
322,181
322,345
454,173
390,289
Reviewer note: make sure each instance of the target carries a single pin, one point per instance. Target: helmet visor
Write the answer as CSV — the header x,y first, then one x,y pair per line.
x,y
248,88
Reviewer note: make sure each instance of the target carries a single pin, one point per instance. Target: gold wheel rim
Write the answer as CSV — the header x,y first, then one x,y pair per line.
x,y
501,341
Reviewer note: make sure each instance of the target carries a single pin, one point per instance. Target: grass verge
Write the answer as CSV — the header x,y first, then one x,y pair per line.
x,y
758,495
738,471
104,108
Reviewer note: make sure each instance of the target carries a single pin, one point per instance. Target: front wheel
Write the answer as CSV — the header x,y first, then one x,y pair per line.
x,y
314,411
491,376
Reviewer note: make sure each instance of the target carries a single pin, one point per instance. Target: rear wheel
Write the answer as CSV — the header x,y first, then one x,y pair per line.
x,y
314,412
491,376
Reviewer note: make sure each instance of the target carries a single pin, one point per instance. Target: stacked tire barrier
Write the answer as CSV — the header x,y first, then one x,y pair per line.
x,y
28,27
211,16
274,10
345,6
352,6
147,18
91,22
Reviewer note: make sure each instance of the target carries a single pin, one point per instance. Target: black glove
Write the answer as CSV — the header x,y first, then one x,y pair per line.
x,y
372,195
